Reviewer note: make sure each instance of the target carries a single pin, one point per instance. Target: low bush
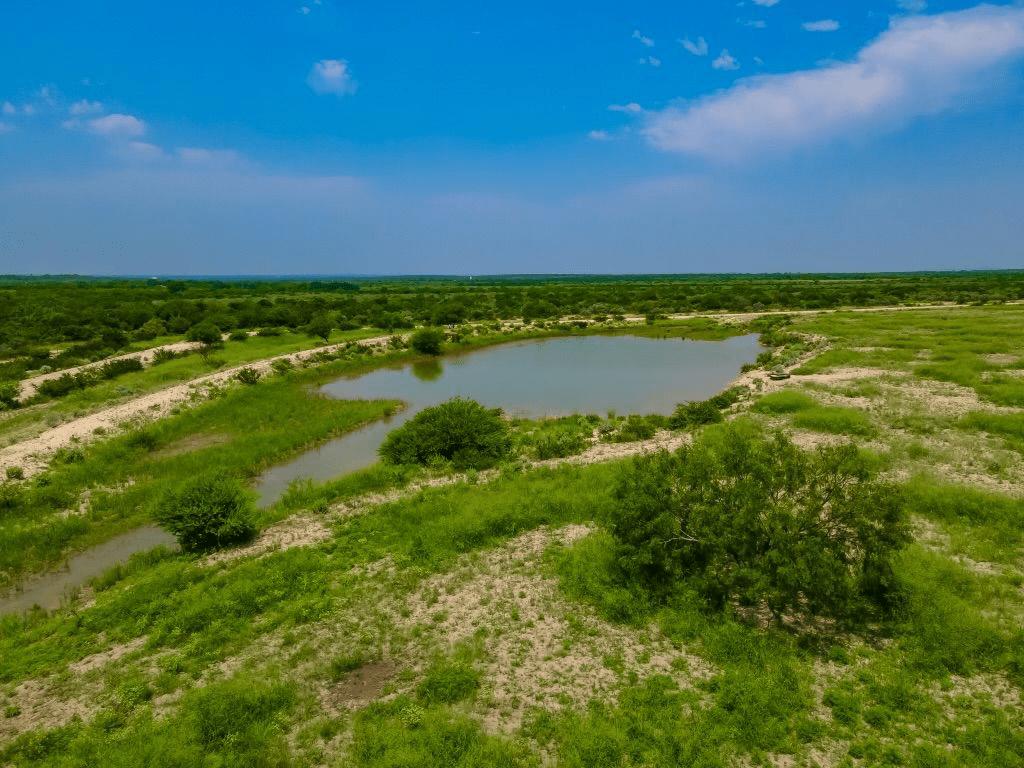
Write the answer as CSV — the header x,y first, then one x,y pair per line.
x,y
206,514
758,522
248,375
427,341
694,414
115,368
461,431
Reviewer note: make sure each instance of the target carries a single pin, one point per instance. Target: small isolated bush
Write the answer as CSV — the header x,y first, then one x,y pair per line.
x,y
758,522
270,331
695,414
282,366
206,514
15,473
115,368
460,431
320,326
239,335
8,396
165,355
248,375
427,341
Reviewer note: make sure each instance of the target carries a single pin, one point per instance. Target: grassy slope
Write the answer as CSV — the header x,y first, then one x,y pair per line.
x,y
938,686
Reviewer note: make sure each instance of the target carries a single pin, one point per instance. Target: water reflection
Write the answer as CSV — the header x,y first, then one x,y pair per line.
x,y
428,370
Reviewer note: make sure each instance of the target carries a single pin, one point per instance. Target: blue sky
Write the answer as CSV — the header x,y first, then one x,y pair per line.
x,y
306,136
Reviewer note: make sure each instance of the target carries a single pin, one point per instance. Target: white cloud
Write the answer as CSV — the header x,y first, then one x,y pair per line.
x,y
331,76
5,127
921,65
632,108
653,61
9,109
28,109
759,61
911,6
700,48
766,3
118,126
599,136
141,150
645,40
85,107
725,61
825,25
304,10
755,23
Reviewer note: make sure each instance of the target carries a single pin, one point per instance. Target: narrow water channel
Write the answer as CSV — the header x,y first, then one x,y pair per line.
x,y
48,590
533,379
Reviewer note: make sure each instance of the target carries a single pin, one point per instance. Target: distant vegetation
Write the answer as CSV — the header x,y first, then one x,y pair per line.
x,y
89,318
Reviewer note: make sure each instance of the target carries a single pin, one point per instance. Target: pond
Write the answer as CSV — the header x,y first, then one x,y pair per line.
x,y
532,379
48,590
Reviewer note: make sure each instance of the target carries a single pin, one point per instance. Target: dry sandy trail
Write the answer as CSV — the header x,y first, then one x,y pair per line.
x,y
32,455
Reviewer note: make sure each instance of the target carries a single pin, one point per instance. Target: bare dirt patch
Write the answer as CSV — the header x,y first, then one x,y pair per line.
x,y
191,444
539,650
360,686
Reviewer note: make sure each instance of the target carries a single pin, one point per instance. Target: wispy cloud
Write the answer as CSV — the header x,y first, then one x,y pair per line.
x,y
85,107
700,48
5,127
766,3
141,150
331,76
118,126
911,6
825,25
754,23
599,136
643,39
921,65
632,108
725,61
8,109
219,158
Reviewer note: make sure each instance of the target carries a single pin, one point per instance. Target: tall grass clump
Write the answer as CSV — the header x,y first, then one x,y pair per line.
x,y
785,401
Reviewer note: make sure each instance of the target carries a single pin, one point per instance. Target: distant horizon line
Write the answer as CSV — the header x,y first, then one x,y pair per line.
x,y
491,275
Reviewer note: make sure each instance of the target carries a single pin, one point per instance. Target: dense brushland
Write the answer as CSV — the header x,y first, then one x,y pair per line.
x,y
500,617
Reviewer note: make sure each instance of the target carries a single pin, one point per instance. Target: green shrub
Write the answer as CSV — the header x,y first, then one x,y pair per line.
x,y
205,333
239,335
248,375
115,368
694,414
207,513
427,341
9,396
15,473
559,443
757,521
461,431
